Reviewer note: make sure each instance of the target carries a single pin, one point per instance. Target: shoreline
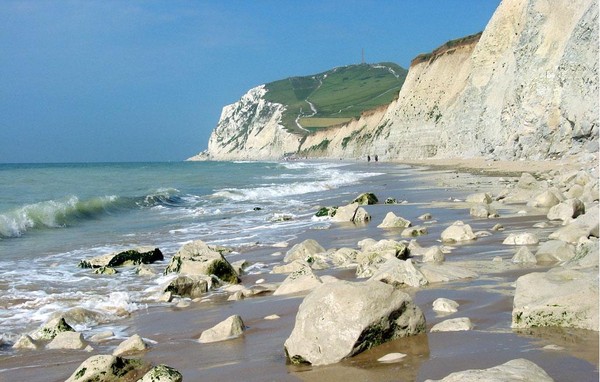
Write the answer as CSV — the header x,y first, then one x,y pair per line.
x,y
258,355
480,165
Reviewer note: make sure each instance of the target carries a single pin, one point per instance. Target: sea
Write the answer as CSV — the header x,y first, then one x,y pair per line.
x,y
52,216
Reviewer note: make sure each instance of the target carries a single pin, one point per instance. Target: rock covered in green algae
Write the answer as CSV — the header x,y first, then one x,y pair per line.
x,y
51,328
162,373
142,255
366,198
198,258
109,368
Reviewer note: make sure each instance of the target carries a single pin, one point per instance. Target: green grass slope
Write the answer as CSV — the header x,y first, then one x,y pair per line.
x,y
335,96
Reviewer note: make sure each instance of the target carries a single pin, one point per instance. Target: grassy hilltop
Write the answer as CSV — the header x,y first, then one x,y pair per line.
x,y
335,96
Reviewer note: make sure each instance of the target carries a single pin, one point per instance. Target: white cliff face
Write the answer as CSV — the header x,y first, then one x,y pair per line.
x,y
250,129
527,89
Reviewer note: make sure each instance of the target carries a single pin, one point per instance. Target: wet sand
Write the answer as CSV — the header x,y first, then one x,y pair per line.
x,y
259,355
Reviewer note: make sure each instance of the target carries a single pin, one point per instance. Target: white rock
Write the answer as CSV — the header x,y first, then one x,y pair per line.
x,y
351,213
480,198
197,258
272,317
546,199
391,357
565,211
399,272
453,325
445,305
583,226
560,297
434,255
458,232
301,280
67,340
133,344
523,238
26,342
515,370
393,221
524,255
326,333
483,211
303,251
232,327
555,250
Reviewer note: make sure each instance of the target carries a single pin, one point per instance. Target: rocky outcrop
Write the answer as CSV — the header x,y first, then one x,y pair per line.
x,y
250,129
527,87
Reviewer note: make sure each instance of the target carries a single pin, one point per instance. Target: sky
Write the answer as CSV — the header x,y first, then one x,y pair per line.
x,y
119,81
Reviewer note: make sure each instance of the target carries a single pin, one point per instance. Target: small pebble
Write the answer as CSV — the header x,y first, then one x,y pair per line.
x,y
392,357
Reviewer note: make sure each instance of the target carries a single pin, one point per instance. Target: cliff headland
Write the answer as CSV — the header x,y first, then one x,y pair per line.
x,y
526,88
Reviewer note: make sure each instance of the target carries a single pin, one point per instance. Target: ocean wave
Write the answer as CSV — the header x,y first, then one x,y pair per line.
x,y
324,179
53,214
71,210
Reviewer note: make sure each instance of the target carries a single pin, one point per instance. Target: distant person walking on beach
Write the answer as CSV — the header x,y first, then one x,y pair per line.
x,y
368,158
376,158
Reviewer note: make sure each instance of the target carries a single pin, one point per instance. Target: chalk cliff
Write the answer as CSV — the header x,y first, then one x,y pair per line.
x,y
527,87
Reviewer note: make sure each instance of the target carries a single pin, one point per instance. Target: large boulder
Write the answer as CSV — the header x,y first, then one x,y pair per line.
x,y
567,210
555,250
298,281
231,327
304,251
559,297
583,226
515,370
545,199
399,272
393,221
356,317
141,255
109,368
198,258
458,232
353,212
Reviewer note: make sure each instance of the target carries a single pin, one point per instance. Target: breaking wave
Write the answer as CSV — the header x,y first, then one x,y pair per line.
x,y
69,211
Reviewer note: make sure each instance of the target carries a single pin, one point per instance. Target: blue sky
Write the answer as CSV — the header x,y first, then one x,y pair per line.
x,y
93,81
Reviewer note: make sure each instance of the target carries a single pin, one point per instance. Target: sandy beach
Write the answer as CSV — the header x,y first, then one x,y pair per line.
x,y
487,300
